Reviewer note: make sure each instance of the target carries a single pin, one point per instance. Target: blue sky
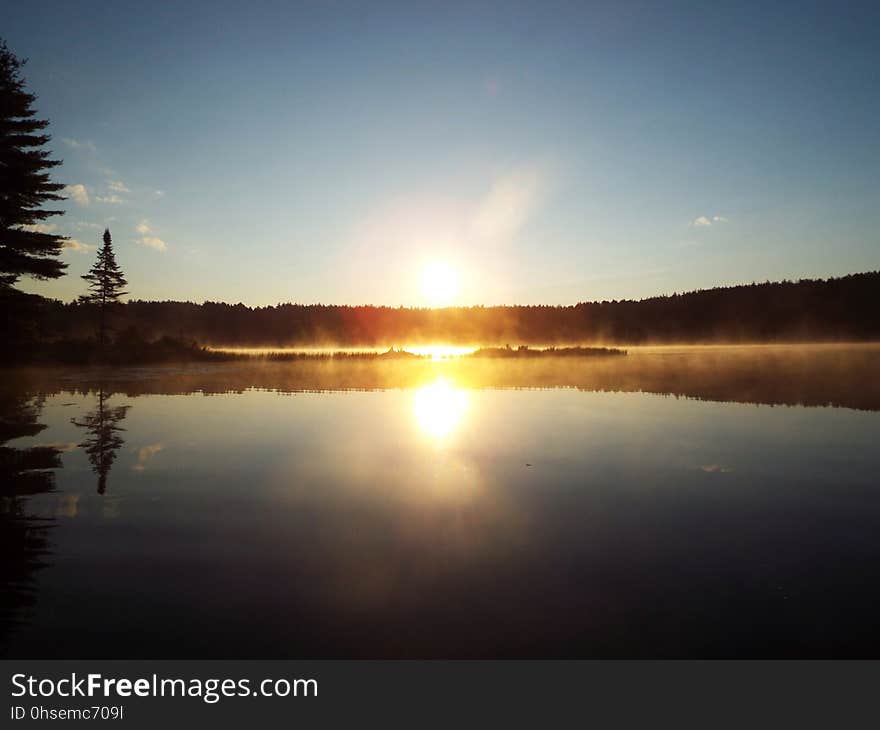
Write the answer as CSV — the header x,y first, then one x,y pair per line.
x,y
546,152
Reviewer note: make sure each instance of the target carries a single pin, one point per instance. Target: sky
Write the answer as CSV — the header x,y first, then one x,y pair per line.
x,y
532,152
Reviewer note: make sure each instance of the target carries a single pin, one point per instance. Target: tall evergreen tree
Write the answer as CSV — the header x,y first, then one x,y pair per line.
x,y
26,248
105,283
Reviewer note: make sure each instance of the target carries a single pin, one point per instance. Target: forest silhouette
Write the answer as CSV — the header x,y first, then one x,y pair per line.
x,y
835,309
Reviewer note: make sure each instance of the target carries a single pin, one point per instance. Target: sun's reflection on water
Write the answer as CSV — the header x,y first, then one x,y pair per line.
x,y
439,408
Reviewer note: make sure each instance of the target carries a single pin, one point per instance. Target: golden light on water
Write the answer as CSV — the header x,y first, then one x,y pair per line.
x,y
439,408
439,284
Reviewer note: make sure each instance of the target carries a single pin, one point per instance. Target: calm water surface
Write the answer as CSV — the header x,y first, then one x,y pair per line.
x,y
225,511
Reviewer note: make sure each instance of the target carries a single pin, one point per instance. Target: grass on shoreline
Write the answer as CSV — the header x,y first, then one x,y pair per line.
x,y
128,350
522,351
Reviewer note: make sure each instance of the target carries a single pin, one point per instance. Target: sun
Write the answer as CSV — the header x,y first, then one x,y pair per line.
x,y
439,408
439,284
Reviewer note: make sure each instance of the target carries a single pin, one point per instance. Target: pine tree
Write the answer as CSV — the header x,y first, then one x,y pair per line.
x,y
25,184
105,283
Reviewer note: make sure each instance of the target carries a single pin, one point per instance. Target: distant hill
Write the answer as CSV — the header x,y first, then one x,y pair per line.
x,y
837,309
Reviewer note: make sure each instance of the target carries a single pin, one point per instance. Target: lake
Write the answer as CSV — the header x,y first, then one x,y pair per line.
x,y
678,502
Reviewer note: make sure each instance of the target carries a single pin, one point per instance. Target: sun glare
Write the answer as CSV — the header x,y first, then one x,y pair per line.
x,y
440,352
439,408
439,284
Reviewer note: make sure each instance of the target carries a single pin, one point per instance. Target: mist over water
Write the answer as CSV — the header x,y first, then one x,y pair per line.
x,y
658,504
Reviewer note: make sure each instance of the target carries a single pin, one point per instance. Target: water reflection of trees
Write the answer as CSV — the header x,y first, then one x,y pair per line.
x,y
23,537
104,441
810,375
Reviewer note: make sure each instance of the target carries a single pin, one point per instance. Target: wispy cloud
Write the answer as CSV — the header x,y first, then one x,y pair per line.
x,y
64,446
111,199
78,194
117,186
510,203
40,227
77,246
85,225
158,194
154,242
705,221
79,144
72,244
148,238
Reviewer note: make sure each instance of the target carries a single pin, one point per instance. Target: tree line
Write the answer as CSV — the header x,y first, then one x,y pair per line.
x,y
836,309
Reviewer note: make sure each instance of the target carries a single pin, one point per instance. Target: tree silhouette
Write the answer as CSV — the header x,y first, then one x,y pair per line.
x,y
102,425
836,309
27,247
105,283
